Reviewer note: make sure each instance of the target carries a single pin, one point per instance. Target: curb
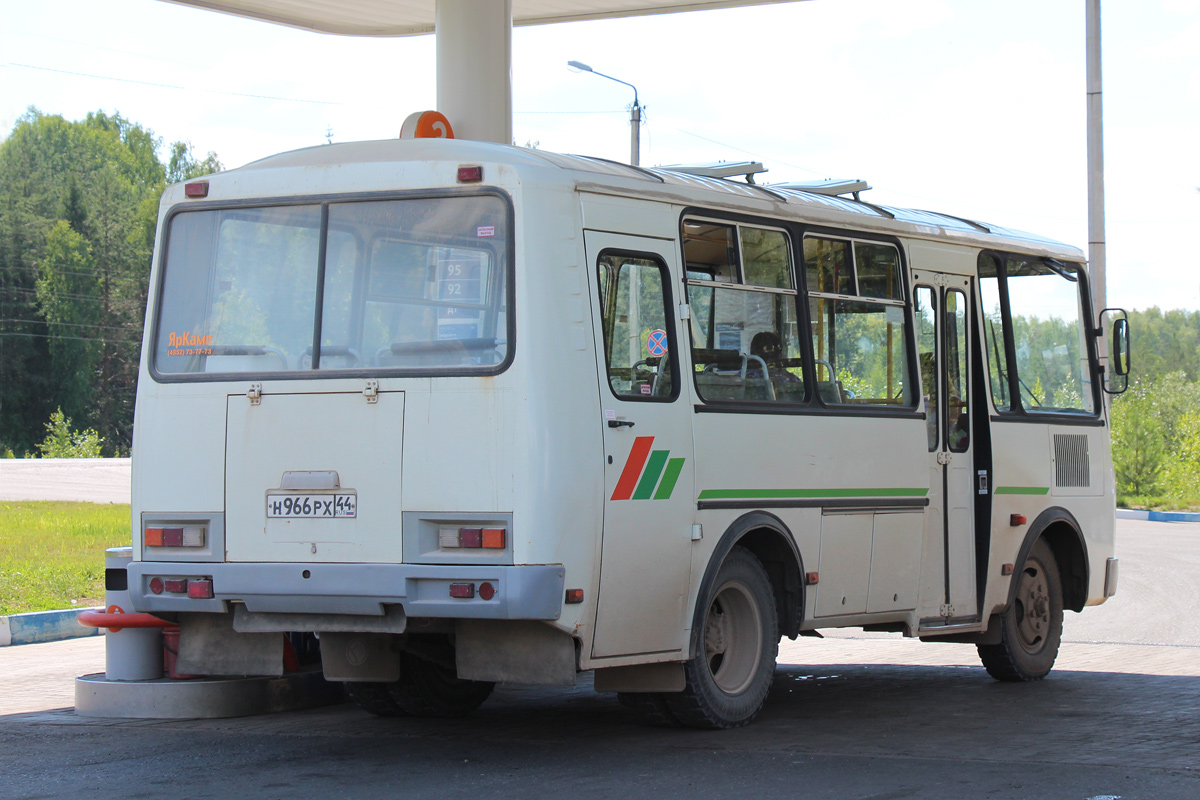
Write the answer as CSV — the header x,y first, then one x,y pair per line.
x,y
1158,516
43,626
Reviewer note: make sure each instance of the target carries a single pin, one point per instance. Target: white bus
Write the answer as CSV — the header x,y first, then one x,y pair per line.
x,y
474,414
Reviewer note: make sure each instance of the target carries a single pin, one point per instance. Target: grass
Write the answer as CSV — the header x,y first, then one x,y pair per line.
x,y
52,554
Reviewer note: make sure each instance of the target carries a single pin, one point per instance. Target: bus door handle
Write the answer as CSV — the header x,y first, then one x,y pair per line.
x,y
620,423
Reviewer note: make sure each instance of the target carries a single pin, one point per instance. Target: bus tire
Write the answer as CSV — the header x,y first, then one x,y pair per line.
x,y
426,689
728,679
375,698
650,708
1031,626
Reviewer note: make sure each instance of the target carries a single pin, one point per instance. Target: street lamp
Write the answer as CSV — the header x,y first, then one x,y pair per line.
x,y
635,113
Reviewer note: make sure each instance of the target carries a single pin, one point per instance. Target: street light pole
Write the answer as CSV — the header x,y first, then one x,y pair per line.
x,y
635,113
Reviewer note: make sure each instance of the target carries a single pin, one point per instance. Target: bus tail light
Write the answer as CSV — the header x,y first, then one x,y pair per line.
x,y
574,596
463,590
186,536
472,538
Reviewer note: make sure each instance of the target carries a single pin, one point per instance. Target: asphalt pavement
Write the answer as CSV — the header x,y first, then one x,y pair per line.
x,y
853,715
92,480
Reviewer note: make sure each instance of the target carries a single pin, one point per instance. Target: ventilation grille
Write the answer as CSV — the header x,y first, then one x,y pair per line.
x,y
1071,463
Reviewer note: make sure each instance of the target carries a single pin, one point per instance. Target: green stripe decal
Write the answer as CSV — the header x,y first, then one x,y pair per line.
x,y
1022,490
771,494
654,468
674,467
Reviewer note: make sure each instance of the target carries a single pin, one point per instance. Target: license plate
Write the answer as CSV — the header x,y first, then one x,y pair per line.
x,y
312,505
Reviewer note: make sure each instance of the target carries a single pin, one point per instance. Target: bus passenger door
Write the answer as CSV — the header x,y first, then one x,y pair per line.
x,y
943,327
649,494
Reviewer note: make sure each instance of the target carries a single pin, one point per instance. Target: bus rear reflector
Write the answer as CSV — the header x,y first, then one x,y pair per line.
x,y
574,596
200,590
463,590
156,585
486,591
176,586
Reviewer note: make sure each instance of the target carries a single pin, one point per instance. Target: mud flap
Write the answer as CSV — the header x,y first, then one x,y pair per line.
x,y
208,645
514,651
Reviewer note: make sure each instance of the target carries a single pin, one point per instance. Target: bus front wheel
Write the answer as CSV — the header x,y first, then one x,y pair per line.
x,y
1031,626
727,680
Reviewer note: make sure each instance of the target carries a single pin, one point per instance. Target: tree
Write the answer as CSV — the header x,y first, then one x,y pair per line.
x,y
183,166
62,442
78,207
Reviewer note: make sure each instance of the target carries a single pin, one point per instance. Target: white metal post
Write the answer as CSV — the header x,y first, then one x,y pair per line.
x,y
474,68
1095,158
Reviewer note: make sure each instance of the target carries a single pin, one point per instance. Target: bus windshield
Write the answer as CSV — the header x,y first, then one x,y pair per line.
x,y
409,286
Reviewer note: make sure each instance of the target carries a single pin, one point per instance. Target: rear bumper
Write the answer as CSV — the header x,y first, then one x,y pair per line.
x,y
522,592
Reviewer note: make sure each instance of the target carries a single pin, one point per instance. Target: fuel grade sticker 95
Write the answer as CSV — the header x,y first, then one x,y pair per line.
x,y
312,505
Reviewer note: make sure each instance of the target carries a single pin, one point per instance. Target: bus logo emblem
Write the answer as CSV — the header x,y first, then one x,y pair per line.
x,y
648,474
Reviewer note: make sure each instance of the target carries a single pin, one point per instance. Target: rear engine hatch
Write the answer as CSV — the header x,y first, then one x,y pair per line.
x,y
314,477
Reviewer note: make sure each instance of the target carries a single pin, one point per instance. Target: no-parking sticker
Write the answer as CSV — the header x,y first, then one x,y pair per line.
x,y
657,342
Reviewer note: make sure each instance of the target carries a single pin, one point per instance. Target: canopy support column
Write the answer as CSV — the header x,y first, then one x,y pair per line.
x,y
474,68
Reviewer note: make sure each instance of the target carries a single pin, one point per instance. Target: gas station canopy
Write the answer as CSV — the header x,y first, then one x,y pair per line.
x,y
412,17
474,39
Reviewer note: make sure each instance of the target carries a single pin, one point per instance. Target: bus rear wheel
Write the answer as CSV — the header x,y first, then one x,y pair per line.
x,y
1031,626
428,689
727,681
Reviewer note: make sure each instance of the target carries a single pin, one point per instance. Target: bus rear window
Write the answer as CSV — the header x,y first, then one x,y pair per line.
x,y
415,285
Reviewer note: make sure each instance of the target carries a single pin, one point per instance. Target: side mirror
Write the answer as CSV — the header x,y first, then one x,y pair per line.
x,y
1117,379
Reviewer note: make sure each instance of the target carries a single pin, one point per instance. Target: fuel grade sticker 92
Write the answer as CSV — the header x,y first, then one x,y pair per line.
x,y
312,505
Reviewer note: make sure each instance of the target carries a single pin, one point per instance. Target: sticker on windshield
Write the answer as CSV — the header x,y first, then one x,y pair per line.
x,y
188,344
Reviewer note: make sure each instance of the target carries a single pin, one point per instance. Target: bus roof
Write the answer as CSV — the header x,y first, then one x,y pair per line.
x,y
597,175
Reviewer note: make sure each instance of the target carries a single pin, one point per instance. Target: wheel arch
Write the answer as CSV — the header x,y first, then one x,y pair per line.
x,y
1064,535
771,542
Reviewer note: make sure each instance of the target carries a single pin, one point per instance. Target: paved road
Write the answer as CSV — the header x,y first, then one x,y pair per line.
x,y
93,480
850,716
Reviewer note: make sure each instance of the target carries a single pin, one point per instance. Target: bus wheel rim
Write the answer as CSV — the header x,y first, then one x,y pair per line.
x,y
1033,608
733,638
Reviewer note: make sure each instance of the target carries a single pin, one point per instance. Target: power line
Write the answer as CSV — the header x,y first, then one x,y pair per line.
x,y
68,338
172,86
71,324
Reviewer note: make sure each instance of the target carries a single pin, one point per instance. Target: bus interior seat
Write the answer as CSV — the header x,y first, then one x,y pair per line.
x,y
831,392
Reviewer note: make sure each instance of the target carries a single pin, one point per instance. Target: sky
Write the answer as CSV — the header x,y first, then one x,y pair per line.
x,y
965,107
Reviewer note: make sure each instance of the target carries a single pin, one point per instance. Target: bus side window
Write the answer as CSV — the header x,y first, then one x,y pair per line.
x,y
637,335
745,329
856,303
926,329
